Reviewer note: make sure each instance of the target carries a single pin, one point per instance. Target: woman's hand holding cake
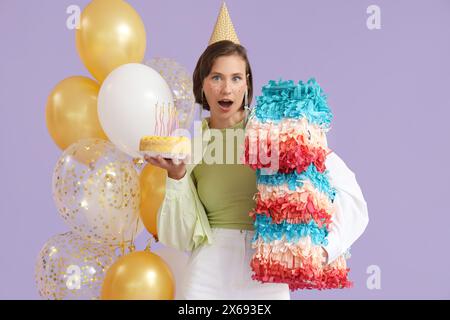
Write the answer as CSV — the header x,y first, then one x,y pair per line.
x,y
176,169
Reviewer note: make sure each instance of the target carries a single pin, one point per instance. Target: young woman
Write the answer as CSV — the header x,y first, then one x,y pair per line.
x,y
206,204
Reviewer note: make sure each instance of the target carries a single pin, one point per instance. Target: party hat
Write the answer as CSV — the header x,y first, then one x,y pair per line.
x,y
223,29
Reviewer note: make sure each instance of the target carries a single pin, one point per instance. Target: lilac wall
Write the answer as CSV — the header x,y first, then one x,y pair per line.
x,y
387,88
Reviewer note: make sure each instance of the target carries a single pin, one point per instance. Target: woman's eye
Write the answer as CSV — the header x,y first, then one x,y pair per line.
x,y
237,78
216,78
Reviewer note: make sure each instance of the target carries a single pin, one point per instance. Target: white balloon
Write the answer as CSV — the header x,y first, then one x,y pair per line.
x,y
177,261
127,105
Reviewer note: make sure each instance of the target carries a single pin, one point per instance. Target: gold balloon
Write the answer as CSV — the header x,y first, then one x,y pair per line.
x,y
111,33
140,275
71,111
153,190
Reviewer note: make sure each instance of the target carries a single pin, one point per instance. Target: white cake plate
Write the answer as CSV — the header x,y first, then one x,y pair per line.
x,y
166,155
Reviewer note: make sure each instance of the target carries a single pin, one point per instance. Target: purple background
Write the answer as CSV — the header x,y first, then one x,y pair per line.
x,y
388,89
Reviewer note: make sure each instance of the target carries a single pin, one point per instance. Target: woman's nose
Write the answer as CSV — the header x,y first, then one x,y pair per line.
x,y
226,88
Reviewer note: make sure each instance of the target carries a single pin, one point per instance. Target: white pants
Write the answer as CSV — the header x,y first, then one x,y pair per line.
x,y
222,271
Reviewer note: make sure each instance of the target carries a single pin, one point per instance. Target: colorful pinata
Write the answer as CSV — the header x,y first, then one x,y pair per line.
x,y
286,144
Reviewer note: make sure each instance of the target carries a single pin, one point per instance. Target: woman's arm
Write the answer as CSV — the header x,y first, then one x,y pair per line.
x,y
351,215
181,221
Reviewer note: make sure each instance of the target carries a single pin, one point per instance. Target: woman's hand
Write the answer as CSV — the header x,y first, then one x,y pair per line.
x,y
176,169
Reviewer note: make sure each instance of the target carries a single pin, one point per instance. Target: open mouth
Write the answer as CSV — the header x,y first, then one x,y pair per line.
x,y
225,103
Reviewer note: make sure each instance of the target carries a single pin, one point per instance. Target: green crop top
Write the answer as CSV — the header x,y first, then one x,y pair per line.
x,y
226,190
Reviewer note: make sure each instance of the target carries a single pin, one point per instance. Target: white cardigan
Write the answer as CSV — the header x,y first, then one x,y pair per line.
x,y
351,215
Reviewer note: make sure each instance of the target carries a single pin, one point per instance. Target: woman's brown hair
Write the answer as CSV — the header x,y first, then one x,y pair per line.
x,y
206,61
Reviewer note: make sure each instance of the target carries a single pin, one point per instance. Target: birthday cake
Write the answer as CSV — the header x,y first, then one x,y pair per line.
x,y
164,141
167,147
294,203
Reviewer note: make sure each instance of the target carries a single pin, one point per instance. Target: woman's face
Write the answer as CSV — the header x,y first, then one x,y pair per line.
x,y
225,86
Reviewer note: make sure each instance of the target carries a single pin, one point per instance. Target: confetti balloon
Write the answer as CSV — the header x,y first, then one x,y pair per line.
x,y
68,267
96,190
180,83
